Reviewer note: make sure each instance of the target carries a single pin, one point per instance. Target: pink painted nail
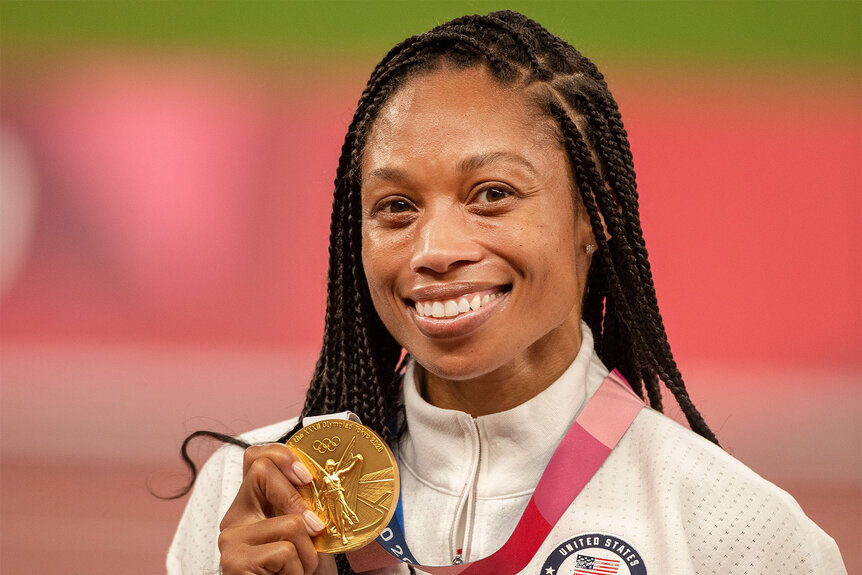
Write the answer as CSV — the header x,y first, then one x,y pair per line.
x,y
301,472
312,522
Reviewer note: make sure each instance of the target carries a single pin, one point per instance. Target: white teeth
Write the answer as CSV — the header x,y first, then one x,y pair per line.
x,y
437,309
451,308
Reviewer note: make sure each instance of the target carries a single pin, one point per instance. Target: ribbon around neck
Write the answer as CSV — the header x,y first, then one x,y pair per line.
x,y
585,447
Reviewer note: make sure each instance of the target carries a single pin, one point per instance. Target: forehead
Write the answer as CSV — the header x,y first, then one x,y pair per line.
x,y
451,112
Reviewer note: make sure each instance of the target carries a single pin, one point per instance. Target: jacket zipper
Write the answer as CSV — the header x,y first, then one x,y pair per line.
x,y
468,506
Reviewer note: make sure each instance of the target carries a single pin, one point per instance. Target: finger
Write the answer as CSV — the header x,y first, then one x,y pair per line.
x,y
306,552
242,546
282,457
282,528
263,489
285,558
275,488
276,557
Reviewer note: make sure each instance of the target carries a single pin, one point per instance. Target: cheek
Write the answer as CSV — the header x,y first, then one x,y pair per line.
x,y
559,281
382,263
553,232
556,264
374,265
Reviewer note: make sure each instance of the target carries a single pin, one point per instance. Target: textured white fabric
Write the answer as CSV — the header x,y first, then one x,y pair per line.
x,y
194,550
684,505
459,469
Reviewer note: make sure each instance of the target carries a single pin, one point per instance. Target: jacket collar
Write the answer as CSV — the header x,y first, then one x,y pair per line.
x,y
443,447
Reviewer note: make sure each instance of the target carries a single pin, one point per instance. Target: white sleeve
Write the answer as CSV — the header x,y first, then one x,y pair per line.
x,y
698,510
737,522
819,554
194,550
785,540
760,528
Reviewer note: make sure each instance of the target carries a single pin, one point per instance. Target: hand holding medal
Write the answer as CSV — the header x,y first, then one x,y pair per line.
x,y
333,488
355,482
268,527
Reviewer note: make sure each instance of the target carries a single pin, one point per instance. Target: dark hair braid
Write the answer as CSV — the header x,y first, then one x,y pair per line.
x,y
620,176
359,360
630,261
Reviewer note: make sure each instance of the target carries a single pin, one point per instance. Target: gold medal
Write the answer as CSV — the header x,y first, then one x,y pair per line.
x,y
355,482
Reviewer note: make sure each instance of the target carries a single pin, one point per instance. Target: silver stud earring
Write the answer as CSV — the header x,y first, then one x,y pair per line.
x,y
590,249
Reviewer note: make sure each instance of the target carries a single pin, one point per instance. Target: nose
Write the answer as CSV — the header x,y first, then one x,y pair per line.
x,y
443,241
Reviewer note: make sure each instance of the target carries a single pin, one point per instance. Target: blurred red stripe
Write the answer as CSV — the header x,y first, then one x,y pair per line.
x,y
189,201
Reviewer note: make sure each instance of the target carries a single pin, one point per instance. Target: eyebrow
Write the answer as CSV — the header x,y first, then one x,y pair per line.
x,y
388,174
472,163
482,160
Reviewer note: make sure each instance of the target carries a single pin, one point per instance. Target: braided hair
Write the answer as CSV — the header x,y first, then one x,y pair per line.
x,y
359,360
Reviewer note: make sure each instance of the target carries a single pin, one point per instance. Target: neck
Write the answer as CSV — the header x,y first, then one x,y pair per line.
x,y
507,386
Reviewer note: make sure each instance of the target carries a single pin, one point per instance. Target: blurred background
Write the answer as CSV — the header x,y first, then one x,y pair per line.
x,y
165,182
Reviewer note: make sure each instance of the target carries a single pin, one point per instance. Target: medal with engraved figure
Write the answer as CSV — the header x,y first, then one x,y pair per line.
x,y
355,483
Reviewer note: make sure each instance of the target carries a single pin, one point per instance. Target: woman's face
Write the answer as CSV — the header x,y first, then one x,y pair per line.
x,y
472,244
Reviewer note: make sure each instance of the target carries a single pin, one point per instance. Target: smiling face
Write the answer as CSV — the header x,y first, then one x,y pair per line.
x,y
472,244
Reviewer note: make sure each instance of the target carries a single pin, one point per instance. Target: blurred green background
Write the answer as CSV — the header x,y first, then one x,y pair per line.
x,y
784,33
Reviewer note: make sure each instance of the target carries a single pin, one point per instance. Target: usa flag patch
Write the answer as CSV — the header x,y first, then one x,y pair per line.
x,y
587,565
594,554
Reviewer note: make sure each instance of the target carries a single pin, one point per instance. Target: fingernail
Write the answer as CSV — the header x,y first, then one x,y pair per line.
x,y
301,472
312,521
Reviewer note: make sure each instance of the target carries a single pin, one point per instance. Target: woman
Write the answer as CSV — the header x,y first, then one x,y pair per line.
x,y
485,220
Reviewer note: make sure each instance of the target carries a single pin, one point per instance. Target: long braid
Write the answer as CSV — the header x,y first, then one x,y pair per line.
x,y
590,184
623,292
630,244
620,175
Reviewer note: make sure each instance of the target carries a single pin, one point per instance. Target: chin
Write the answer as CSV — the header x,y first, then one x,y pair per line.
x,y
456,367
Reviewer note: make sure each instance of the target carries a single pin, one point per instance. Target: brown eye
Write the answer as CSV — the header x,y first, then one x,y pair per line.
x,y
491,195
397,206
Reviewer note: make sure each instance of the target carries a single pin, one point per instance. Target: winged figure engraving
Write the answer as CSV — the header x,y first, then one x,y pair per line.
x,y
346,500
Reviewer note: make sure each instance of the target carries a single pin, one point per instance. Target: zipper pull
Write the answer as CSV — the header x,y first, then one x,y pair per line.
x,y
457,560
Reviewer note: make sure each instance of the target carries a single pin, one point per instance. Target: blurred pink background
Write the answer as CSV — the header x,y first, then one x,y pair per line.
x,y
163,236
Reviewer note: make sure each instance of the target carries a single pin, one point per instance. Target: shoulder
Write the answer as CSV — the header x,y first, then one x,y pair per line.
x,y
221,475
194,548
731,515
686,462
